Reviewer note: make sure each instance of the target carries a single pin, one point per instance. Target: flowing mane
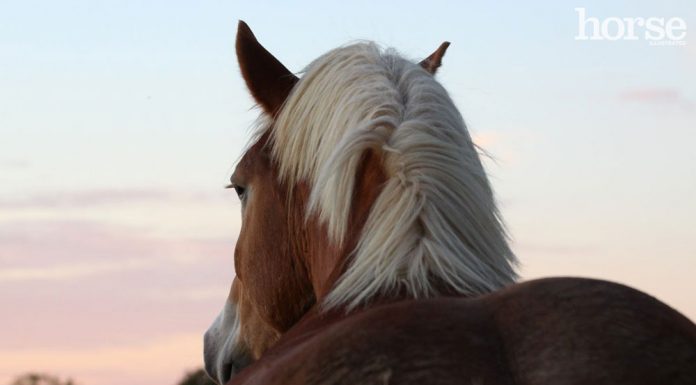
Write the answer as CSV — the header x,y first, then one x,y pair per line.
x,y
435,221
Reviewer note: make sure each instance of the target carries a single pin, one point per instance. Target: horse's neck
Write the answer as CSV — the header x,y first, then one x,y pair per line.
x,y
326,261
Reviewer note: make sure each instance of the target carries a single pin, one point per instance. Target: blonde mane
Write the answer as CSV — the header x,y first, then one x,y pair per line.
x,y
435,221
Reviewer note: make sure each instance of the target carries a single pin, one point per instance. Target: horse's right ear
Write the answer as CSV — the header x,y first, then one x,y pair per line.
x,y
268,80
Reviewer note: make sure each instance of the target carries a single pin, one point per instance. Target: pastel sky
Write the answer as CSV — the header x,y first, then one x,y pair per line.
x,y
120,122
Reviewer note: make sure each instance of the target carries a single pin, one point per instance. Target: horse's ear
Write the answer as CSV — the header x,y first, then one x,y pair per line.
x,y
267,79
434,61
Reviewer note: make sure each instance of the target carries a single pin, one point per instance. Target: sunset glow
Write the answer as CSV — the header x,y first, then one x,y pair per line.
x,y
121,122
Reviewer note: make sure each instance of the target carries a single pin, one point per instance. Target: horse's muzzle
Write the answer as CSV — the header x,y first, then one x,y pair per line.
x,y
222,352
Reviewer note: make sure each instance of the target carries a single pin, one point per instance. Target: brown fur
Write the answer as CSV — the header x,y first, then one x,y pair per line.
x,y
279,286
558,331
258,335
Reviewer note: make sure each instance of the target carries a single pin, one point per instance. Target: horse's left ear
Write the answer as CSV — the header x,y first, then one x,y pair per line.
x,y
434,61
267,78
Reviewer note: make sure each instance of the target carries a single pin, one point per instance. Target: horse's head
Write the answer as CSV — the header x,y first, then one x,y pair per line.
x,y
361,183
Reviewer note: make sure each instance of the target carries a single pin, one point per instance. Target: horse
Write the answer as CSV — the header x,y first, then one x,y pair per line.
x,y
372,250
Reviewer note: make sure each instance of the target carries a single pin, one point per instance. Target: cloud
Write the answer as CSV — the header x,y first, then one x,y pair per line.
x,y
653,95
487,139
556,249
203,293
72,271
41,250
99,285
162,360
103,197
498,147
14,164
657,96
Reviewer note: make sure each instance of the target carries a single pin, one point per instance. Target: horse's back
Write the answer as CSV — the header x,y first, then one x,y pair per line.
x,y
434,341
553,331
582,331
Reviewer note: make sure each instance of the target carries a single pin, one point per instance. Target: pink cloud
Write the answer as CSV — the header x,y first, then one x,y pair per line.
x,y
487,139
557,249
14,164
105,197
154,360
51,249
657,96
651,95
68,272
104,285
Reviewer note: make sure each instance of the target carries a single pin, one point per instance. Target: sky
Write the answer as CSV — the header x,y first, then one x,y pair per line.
x,y
121,121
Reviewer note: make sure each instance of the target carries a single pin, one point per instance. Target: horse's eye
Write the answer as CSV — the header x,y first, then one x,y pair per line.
x,y
240,191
